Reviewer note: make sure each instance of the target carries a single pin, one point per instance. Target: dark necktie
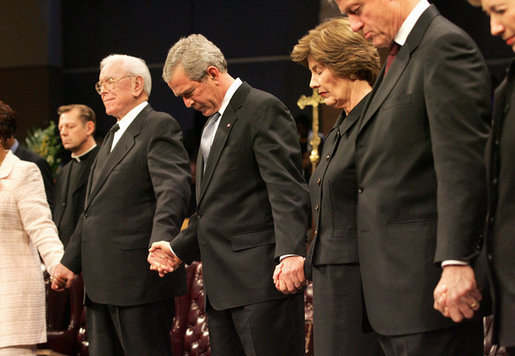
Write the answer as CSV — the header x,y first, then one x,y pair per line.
x,y
394,49
106,146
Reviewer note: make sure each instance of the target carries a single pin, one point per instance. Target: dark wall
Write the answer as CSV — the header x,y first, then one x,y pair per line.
x,y
475,22
255,36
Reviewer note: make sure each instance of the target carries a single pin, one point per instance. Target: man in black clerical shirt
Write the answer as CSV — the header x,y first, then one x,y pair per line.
x,y
77,128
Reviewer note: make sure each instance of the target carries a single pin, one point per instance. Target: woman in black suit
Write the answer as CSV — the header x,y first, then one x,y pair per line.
x,y
343,69
499,247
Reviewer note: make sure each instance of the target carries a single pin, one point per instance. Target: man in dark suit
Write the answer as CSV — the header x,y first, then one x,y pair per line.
x,y
421,179
25,154
252,207
138,191
77,128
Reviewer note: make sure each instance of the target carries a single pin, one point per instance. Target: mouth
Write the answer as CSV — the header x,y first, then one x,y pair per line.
x,y
510,40
323,94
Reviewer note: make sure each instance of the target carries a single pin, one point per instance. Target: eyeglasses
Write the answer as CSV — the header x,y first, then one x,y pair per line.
x,y
108,83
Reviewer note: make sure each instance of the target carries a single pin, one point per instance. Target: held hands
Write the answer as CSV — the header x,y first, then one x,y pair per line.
x,y
61,278
457,296
289,275
162,259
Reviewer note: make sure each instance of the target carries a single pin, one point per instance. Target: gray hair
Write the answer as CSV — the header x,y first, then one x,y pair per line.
x,y
132,66
195,53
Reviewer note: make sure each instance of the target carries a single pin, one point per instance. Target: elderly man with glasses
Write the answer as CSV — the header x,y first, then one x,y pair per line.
x,y
137,194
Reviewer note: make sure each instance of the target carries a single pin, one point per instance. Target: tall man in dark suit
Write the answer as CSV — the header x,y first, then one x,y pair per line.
x,y
419,161
138,191
77,128
252,207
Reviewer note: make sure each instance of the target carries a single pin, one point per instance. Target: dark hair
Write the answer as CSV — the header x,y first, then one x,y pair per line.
x,y
7,121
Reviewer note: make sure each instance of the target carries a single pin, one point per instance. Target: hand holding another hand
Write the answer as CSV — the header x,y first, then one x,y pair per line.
x,y
457,296
61,278
289,275
162,259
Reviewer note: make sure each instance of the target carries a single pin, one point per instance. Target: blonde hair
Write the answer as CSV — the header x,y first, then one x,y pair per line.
x,y
338,48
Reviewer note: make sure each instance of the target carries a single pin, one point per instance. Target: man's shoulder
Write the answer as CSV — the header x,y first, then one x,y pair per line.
x,y
27,155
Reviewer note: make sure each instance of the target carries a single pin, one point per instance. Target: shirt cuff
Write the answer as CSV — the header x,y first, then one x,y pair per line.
x,y
453,263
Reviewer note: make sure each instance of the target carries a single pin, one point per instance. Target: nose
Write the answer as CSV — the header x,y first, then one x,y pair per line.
x,y
313,83
355,23
188,102
496,28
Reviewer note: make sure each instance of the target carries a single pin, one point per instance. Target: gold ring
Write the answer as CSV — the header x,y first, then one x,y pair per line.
x,y
473,305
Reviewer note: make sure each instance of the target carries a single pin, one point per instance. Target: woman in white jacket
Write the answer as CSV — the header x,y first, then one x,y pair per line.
x,y
26,228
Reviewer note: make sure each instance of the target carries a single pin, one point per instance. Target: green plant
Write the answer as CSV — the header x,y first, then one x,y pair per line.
x,y
47,143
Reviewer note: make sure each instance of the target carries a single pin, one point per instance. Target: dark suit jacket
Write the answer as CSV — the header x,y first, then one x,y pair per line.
x,y
75,206
500,227
139,198
419,161
333,189
25,154
252,202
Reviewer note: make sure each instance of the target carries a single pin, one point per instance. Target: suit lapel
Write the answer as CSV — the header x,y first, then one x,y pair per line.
x,y
123,146
384,85
227,121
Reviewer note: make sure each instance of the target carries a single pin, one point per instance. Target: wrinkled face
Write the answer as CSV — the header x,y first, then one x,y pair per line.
x,y
334,88
74,132
204,96
379,20
121,99
502,19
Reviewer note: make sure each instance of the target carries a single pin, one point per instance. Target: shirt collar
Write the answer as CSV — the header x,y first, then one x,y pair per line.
x,y
125,121
410,22
80,157
229,94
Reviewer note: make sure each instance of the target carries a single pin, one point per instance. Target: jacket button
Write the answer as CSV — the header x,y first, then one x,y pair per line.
x,y
316,207
360,189
327,157
318,181
490,257
63,204
85,216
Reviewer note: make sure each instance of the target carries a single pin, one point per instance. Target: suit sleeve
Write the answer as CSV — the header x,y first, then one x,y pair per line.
x,y
277,151
457,93
169,169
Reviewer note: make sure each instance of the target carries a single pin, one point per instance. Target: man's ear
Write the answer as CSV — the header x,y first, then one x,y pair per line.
x,y
90,127
213,73
137,85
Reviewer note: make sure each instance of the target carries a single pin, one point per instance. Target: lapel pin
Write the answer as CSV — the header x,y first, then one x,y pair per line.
x,y
228,125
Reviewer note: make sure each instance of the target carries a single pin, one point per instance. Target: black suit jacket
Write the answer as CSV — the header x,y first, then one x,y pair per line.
x,y
140,197
419,161
252,202
25,154
63,185
333,189
499,248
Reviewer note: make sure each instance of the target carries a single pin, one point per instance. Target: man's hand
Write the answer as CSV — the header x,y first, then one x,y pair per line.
x,y
289,275
61,278
457,296
162,259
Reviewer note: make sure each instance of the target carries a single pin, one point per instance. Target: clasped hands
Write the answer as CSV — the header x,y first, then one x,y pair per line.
x,y
162,259
289,275
457,296
61,278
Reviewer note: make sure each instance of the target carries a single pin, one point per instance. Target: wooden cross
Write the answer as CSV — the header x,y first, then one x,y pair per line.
x,y
313,100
